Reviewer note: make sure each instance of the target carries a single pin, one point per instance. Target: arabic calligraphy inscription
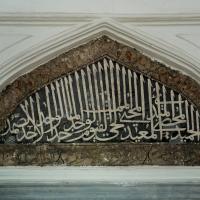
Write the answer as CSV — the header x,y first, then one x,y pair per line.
x,y
104,101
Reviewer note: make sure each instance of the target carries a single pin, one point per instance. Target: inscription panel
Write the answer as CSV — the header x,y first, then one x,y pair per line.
x,y
103,102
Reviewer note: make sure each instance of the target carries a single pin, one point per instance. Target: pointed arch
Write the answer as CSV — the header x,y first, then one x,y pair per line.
x,y
51,87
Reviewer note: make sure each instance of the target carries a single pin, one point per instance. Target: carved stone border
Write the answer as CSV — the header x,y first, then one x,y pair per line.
x,y
109,154
88,53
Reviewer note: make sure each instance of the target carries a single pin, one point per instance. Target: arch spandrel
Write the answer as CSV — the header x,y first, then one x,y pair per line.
x,y
103,101
101,93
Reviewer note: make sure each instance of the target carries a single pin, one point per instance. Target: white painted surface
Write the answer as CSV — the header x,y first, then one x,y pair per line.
x,y
103,6
116,175
33,32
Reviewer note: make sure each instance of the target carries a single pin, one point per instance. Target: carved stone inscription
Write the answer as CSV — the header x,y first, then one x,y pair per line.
x,y
104,101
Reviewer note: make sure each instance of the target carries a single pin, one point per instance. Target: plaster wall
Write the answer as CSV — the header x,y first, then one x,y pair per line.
x,y
170,27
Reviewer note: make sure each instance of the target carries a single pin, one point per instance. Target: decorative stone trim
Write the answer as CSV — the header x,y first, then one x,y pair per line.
x,y
109,154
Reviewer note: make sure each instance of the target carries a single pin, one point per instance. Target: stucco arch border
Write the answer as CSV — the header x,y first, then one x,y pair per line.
x,y
86,54
47,64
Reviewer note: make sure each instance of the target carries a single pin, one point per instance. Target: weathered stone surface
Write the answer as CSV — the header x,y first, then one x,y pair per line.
x,y
88,53
112,154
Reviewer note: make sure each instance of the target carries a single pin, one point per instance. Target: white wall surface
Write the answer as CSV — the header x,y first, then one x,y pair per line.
x,y
103,6
169,31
